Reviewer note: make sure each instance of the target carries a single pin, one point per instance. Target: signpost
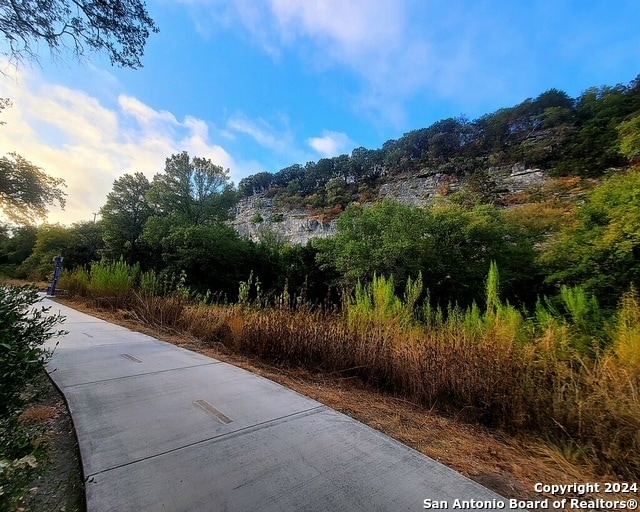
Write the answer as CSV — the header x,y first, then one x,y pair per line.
x,y
57,260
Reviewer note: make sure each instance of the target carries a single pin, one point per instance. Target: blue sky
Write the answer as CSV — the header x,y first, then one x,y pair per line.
x,y
262,84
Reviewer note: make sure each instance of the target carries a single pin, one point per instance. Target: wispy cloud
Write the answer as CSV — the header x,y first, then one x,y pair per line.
x,y
275,136
398,53
331,143
374,40
261,131
75,136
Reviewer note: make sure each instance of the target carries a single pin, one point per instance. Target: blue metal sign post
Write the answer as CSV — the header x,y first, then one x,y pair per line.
x,y
57,260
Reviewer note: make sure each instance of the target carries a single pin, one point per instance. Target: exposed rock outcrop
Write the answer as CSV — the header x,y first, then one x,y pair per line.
x,y
420,190
256,215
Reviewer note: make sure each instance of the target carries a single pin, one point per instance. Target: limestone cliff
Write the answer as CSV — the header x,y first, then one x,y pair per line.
x,y
257,214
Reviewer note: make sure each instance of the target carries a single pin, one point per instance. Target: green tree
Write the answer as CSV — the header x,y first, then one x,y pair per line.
x,y
213,257
595,146
459,246
26,190
79,244
452,247
119,28
17,244
336,192
124,216
629,132
379,239
85,244
193,191
600,248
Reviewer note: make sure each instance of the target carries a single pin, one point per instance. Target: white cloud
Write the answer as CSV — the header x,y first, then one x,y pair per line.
x,y
373,40
258,130
144,114
331,143
278,139
74,136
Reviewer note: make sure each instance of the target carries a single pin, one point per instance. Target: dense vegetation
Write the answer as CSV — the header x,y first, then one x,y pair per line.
x,y
407,298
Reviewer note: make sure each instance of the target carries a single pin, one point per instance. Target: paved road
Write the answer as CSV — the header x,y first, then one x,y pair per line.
x,y
163,428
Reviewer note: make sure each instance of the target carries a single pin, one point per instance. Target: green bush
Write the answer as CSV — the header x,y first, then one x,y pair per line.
x,y
23,330
150,284
113,281
75,282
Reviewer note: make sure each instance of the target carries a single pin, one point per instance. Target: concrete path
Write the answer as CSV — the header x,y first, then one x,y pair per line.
x,y
163,428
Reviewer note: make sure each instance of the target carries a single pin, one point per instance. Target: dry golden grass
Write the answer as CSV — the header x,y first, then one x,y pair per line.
x,y
38,414
423,390
508,463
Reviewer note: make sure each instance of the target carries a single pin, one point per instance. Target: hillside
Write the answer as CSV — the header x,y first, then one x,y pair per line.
x,y
486,160
191,227
258,214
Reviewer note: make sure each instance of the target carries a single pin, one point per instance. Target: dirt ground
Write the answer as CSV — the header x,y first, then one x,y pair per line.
x,y
59,486
509,465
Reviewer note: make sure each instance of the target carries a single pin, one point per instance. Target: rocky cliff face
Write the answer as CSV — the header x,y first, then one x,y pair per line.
x,y
420,190
255,215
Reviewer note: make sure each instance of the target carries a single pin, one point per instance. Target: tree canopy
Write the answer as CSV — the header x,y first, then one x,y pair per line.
x,y
449,245
124,215
600,247
194,190
26,190
584,136
119,28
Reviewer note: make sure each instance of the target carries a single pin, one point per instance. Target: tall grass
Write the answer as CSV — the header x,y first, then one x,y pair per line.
x,y
75,282
107,283
150,284
112,282
561,371
376,303
626,337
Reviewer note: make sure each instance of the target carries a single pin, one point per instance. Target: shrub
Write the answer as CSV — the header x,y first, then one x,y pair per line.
x,y
113,282
23,330
150,284
22,333
75,282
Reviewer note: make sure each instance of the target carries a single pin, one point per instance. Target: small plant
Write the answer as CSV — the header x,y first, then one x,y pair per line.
x,y
245,290
626,345
586,317
257,218
377,303
150,284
